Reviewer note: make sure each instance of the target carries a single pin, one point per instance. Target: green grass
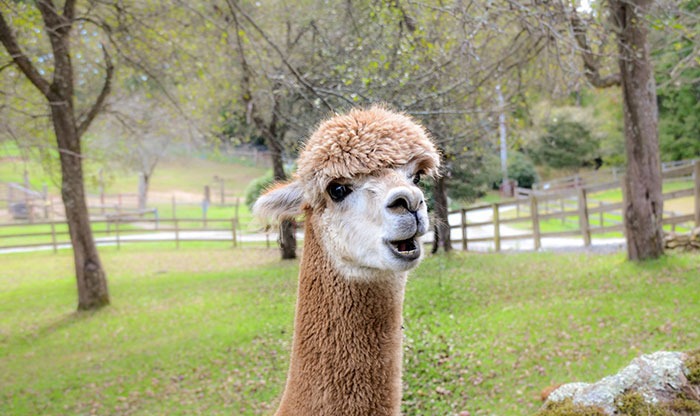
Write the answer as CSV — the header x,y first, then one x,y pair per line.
x,y
191,175
207,330
172,174
615,195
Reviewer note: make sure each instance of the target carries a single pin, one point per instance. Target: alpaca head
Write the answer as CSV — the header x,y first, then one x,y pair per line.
x,y
357,181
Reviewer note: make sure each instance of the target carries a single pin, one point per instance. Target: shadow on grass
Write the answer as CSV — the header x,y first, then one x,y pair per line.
x,y
64,322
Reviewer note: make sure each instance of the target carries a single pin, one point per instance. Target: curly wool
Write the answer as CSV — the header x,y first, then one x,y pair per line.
x,y
362,142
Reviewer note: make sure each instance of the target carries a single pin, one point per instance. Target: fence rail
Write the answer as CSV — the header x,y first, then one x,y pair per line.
x,y
116,231
493,226
602,175
520,220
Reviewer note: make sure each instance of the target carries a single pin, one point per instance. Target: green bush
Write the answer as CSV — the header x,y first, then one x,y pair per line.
x,y
256,187
566,144
521,168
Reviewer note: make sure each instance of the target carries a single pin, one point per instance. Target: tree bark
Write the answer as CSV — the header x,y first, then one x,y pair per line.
x,y
287,239
59,93
644,203
442,224
144,182
90,276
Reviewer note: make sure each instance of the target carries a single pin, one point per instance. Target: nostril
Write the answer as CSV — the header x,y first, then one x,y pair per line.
x,y
399,202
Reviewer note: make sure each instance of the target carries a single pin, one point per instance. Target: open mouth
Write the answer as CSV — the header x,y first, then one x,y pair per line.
x,y
405,249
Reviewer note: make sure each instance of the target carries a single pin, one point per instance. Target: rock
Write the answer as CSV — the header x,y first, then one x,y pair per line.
x,y
686,242
657,377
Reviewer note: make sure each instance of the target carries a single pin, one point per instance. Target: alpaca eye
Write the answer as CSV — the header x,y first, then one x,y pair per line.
x,y
338,191
416,178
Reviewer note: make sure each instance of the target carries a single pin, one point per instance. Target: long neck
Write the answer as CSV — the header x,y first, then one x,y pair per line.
x,y
346,354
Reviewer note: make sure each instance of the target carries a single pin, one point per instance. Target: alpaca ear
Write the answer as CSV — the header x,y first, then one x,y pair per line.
x,y
280,202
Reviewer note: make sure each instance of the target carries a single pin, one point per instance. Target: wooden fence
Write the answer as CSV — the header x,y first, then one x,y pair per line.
x,y
119,230
521,219
612,174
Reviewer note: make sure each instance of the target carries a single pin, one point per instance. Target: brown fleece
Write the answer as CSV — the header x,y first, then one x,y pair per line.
x,y
362,142
346,353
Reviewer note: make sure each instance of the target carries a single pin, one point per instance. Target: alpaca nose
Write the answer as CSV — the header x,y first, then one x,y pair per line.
x,y
403,200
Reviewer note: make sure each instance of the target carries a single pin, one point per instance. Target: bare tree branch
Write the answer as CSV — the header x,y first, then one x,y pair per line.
x,y
57,25
84,121
591,66
289,66
7,65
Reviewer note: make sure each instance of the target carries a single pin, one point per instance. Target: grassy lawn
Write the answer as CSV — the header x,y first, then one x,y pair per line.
x,y
615,195
190,175
172,174
207,330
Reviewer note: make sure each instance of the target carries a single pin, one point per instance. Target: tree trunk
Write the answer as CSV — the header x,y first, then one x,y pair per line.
x,y
90,276
59,93
644,203
144,179
273,137
287,239
442,224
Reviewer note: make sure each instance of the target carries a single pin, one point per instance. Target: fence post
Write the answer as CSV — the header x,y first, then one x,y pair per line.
x,y
223,192
602,217
205,204
496,229
45,197
535,215
562,207
673,225
696,174
583,217
238,200
464,229
177,233
102,194
116,231
10,196
53,237
233,232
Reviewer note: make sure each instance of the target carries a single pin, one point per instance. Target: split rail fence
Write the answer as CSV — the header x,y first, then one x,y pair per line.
x,y
522,223
519,222
120,230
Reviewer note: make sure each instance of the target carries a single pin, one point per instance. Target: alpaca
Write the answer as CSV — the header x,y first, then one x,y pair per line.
x,y
356,185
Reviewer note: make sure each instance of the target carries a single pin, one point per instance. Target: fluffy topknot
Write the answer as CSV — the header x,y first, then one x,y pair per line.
x,y
361,142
